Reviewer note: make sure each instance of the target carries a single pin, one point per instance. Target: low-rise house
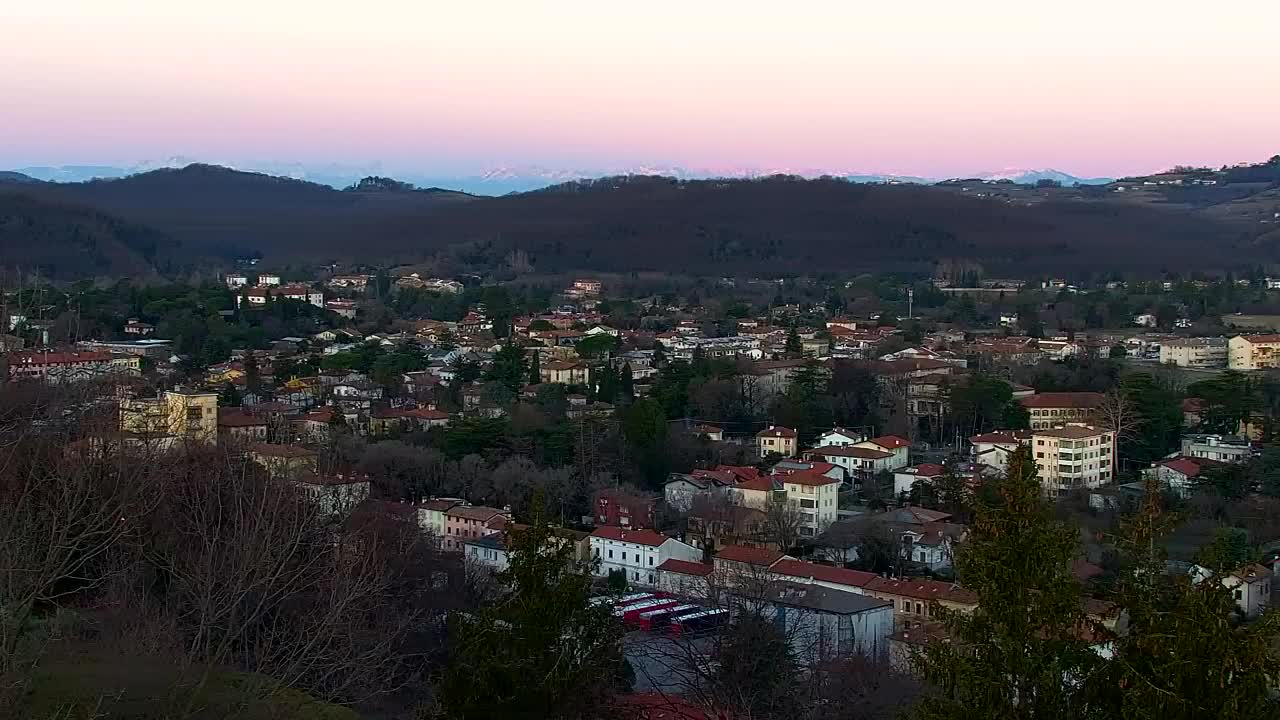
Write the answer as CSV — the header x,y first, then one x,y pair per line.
x,y
686,578
912,598
238,426
1250,587
284,461
776,439
1178,474
896,446
404,419
493,550
716,523
906,478
134,326
430,514
839,437
994,448
710,432
463,522
333,494
183,414
858,462
636,554
622,509
56,367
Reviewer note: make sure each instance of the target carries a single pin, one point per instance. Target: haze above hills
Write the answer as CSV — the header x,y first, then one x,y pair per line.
x,y
504,180
170,221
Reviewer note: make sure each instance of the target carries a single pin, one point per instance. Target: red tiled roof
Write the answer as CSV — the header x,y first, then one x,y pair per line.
x,y
921,589
749,555
925,470
638,537
440,505
1192,405
1183,465
743,472
1263,338
763,484
777,431
890,442
1083,400
807,478
230,417
684,567
1002,438
825,573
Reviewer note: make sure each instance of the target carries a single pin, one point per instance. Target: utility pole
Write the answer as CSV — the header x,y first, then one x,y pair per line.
x,y
911,301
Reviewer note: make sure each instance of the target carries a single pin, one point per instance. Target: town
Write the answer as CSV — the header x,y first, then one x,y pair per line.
x,y
809,447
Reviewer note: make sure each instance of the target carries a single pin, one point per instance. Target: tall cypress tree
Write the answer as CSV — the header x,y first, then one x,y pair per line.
x,y
1019,653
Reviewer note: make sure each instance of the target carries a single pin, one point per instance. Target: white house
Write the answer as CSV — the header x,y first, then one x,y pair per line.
x,y
839,437
854,460
334,495
892,444
489,551
268,279
1250,587
822,623
994,448
637,553
905,479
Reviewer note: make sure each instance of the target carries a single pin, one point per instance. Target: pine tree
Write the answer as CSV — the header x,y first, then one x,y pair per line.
x,y
541,651
626,384
1182,655
1016,655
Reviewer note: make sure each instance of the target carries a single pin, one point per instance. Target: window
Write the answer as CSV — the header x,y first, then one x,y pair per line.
x,y
1236,594
610,554
650,560
195,413
919,609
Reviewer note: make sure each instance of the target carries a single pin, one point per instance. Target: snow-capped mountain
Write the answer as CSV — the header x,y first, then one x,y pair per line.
x,y
507,179
1031,177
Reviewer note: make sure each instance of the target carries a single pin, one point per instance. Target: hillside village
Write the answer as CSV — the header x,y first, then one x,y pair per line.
x,y
809,445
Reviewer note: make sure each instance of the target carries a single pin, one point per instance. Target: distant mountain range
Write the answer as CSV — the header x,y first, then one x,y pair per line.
x,y
505,180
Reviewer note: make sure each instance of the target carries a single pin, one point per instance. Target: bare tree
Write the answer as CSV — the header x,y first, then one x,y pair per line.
x,y
782,522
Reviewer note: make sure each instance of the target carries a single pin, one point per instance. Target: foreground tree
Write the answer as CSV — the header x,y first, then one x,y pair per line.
x,y
541,651
1183,656
1013,657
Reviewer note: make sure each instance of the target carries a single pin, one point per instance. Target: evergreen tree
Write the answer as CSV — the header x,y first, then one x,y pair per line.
x,y
535,368
541,651
252,378
1016,655
1182,655
626,384
508,367
606,384
793,341
229,396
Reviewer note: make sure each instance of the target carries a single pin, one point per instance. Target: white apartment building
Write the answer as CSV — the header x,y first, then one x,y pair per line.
x,y
815,496
1223,448
1073,456
1205,353
637,553
1253,352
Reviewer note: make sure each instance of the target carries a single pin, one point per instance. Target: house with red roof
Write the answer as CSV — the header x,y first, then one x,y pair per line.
x,y
900,448
913,598
1058,408
1179,474
994,448
905,479
856,461
777,439
637,554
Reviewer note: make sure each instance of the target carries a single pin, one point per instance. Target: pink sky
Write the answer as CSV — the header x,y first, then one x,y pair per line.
x,y
929,87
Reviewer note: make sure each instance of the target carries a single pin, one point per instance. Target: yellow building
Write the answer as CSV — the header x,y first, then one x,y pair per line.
x,y
181,413
1253,352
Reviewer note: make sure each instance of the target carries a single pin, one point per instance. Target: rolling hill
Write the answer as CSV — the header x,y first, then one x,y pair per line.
x,y
776,224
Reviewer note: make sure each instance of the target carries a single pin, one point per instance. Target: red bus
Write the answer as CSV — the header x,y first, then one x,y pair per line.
x,y
632,616
621,609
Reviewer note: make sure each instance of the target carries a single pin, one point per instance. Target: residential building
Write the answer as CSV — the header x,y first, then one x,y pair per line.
x,y
237,426
268,279
710,432
301,293
776,439
333,494
342,308
565,372
284,461
357,283
134,326
1073,456
684,348
815,495
493,550
994,448
625,510
57,367
1250,587
1253,352
912,599
892,444
431,516
905,479
464,522
182,414
856,461
1199,353
685,578
1178,474
839,437
926,539
1223,448
1056,408
584,286
235,280
637,553
742,566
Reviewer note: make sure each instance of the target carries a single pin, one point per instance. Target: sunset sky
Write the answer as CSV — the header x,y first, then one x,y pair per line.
x,y
925,87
